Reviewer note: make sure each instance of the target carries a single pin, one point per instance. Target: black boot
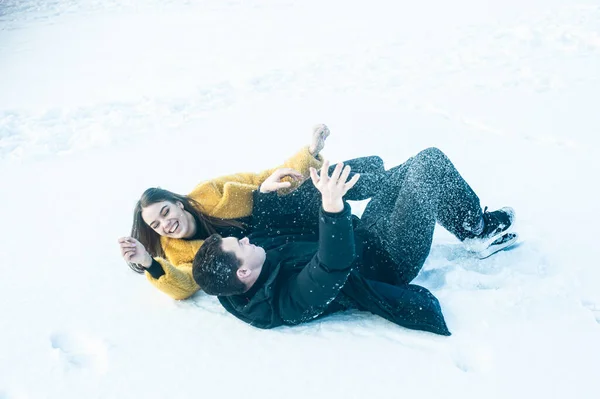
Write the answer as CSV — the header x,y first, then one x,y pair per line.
x,y
496,233
497,222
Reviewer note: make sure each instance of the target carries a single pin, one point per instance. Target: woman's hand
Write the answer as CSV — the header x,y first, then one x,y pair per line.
x,y
134,252
274,183
320,133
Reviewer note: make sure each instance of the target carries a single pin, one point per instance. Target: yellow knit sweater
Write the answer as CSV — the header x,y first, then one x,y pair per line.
x,y
227,197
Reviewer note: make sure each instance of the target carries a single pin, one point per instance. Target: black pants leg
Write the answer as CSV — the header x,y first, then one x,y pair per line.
x,y
399,221
372,175
307,198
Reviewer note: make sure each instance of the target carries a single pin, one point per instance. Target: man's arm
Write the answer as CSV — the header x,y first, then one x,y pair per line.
x,y
306,295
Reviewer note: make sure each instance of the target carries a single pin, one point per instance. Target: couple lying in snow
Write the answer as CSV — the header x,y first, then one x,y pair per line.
x,y
280,250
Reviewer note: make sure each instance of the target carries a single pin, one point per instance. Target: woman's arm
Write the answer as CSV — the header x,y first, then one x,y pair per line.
x,y
177,281
230,197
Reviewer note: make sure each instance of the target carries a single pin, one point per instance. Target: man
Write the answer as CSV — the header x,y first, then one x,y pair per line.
x,y
297,266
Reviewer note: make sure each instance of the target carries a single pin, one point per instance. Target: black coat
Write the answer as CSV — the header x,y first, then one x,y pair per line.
x,y
311,270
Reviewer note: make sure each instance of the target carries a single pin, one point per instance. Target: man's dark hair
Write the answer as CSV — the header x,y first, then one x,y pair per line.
x,y
214,270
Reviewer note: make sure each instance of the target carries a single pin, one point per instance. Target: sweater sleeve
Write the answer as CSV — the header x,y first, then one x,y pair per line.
x,y
230,197
305,295
177,281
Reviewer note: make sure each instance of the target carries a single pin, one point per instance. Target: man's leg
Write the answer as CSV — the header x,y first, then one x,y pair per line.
x,y
372,174
398,223
307,199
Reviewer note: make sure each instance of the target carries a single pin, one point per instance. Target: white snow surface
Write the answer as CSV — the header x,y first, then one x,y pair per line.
x,y
101,99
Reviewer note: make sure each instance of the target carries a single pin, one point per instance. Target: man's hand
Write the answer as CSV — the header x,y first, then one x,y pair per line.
x,y
320,133
134,252
274,183
335,187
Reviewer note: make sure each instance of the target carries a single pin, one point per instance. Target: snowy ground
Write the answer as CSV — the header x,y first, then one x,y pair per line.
x,y
102,99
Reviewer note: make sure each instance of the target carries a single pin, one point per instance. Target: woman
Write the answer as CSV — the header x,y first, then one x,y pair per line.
x,y
168,229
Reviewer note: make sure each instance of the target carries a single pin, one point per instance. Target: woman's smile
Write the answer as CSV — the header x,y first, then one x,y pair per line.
x,y
174,227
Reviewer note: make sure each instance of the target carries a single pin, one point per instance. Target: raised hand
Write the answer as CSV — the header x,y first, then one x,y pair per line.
x,y
320,134
334,187
274,183
134,252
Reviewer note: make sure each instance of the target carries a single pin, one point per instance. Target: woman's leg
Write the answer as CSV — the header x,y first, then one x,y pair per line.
x,y
399,221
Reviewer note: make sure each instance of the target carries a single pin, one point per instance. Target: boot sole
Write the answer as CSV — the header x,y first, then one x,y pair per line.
x,y
492,249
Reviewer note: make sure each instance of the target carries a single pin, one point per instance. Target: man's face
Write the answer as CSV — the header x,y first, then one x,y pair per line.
x,y
251,256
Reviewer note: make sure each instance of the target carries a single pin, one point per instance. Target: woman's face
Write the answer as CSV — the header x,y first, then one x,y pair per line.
x,y
169,219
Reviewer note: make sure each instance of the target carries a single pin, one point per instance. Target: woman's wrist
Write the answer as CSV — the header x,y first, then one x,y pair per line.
x,y
147,262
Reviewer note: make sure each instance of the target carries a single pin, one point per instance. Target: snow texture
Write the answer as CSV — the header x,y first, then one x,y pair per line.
x,y
102,99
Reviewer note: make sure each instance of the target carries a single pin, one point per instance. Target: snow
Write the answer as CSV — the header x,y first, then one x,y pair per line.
x,y
102,99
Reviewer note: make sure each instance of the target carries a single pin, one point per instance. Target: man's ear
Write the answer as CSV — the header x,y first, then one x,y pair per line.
x,y
243,273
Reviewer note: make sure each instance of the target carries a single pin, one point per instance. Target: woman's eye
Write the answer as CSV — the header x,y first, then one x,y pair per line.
x,y
167,212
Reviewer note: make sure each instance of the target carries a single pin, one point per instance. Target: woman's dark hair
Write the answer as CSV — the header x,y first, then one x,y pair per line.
x,y
151,240
215,270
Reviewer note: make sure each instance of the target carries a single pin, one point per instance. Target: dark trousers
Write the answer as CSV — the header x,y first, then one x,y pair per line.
x,y
396,228
372,176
